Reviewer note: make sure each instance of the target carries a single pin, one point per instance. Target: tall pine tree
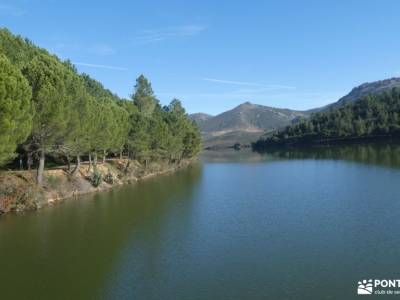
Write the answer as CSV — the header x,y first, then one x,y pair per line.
x,y
15,109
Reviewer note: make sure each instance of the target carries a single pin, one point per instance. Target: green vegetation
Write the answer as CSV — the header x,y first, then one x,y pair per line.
x,y
96,178
374,116
15,109
49,111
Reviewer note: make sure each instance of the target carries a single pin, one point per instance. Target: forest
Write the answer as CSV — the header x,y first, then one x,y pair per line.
x,y
373,116
50,112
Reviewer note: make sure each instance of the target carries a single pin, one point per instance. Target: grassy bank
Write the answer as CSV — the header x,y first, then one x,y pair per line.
x,y
19,191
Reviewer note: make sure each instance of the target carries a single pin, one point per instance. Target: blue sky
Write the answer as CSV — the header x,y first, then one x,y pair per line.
x,y
214,55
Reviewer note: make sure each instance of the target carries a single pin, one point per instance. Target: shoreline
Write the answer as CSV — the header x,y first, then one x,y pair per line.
x,y
329,142
19,192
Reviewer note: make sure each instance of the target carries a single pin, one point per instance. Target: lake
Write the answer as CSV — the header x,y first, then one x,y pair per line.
x,y
288,224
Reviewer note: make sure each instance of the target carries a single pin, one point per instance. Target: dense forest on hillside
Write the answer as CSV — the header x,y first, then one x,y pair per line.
x,y
49,110
373,116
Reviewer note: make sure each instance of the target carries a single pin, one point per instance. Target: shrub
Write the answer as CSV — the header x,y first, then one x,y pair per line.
x,y
96,179
109,178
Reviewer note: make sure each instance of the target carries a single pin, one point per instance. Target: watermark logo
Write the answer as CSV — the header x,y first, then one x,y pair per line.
x,y
365,287
378,287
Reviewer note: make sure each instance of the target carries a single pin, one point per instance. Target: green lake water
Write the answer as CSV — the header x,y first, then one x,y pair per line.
x,y
289,224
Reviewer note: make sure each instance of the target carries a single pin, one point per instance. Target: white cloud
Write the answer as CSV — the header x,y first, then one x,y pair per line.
x,y
160,34
100,66
265,86
11,10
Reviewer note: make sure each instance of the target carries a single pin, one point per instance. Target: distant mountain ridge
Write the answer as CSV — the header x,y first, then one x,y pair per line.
x,y
200,118
250,117
247,122
365,89
376,87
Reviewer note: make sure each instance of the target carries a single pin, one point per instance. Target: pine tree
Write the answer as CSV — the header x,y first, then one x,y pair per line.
x,y
47,79
144,97
15,109
66,115
76,142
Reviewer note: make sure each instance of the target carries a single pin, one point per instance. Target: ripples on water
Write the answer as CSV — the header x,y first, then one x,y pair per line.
x,y
288,224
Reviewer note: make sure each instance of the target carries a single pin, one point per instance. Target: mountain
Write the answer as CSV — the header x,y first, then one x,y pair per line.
x,y
248,122
375,88
243,124
375,117
250,117
365,89
200,118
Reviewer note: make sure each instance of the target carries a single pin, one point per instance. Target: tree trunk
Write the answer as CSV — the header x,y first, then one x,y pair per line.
x,y
90,162
126,167
40,168
21,164
104,157
120,154
78,165
95,161
68,163
29,160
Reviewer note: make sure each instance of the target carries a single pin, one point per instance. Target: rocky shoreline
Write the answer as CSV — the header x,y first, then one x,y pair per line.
x,y
19,192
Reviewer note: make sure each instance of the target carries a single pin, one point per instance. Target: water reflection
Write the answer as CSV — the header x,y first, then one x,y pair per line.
x,y
68,251
230,228
387,154
383,154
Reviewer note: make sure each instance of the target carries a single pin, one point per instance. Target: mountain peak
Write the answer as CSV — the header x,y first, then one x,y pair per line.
x,y
376,87
247,116
245,105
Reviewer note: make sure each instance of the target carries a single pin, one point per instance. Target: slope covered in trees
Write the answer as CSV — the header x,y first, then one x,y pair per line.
x,y
49,110
374,116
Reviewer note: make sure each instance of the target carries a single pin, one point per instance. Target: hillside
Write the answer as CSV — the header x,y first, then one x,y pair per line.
x,y
250,117
200,118
368,88
248,122
51,113
375,88
243,124
375,116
